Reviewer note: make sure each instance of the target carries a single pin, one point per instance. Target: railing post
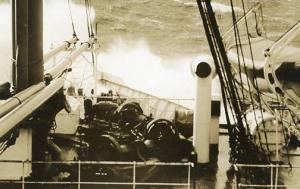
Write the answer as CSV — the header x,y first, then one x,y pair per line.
x,y
235,179
23,179
277,149
276,175
79,174
134,173
234,183
271,176
189,175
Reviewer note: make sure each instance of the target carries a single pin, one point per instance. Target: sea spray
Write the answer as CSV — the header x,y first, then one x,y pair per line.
x,y
5,43
57,22
143,70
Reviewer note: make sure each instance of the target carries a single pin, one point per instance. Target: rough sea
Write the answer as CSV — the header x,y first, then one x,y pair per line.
x,y
148,43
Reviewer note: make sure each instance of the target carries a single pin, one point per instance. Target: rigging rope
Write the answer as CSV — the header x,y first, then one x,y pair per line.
x,y
88,18
91,23
72,21
255,82
242,147
239,46
228,89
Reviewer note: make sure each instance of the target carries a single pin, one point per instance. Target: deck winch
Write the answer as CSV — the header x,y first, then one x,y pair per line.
x,y
124,133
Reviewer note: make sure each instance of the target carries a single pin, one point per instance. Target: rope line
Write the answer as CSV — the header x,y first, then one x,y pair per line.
x,y
88,18
71,17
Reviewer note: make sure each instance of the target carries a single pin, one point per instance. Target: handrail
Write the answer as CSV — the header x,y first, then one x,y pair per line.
x,y
103,162
273,177
79,181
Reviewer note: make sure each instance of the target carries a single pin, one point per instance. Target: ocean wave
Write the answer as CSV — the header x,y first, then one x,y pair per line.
x,y
224,8
275,19
218,7
150,22
119,28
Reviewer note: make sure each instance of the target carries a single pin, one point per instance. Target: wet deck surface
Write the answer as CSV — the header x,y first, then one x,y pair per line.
x,y
207,179
200,178
203,178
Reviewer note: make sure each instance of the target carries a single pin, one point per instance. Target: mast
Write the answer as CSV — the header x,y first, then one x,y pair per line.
x,y
27,39
27,45
13,24
20,44
35,42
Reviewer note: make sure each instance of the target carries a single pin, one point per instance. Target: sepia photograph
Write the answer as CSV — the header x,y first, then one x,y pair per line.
x,y
149,94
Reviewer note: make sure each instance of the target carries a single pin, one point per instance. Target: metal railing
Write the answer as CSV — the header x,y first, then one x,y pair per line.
x,y
78,182
273,176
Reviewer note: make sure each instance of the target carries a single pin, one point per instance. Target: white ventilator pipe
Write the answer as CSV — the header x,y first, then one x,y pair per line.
x,y
216,98
64,46
19,98
10,120
204,70
215,117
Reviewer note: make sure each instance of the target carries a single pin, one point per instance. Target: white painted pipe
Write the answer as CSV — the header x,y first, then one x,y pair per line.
x,y
64,46
67,61
214,130
204,70
214,123
10,120
17,99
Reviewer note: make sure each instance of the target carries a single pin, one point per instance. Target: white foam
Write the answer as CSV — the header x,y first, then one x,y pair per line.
x,y
143,70
5,42
57,21
224,8
218,7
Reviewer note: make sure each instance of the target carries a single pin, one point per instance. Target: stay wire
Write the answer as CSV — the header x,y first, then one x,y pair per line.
x,y
225,61
256,25
208,33
71,17
90,17
234,132
239,46
223,72
225,90
262,14
283,130
87,18
232,87
239,62
254,78
232,91
247,138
